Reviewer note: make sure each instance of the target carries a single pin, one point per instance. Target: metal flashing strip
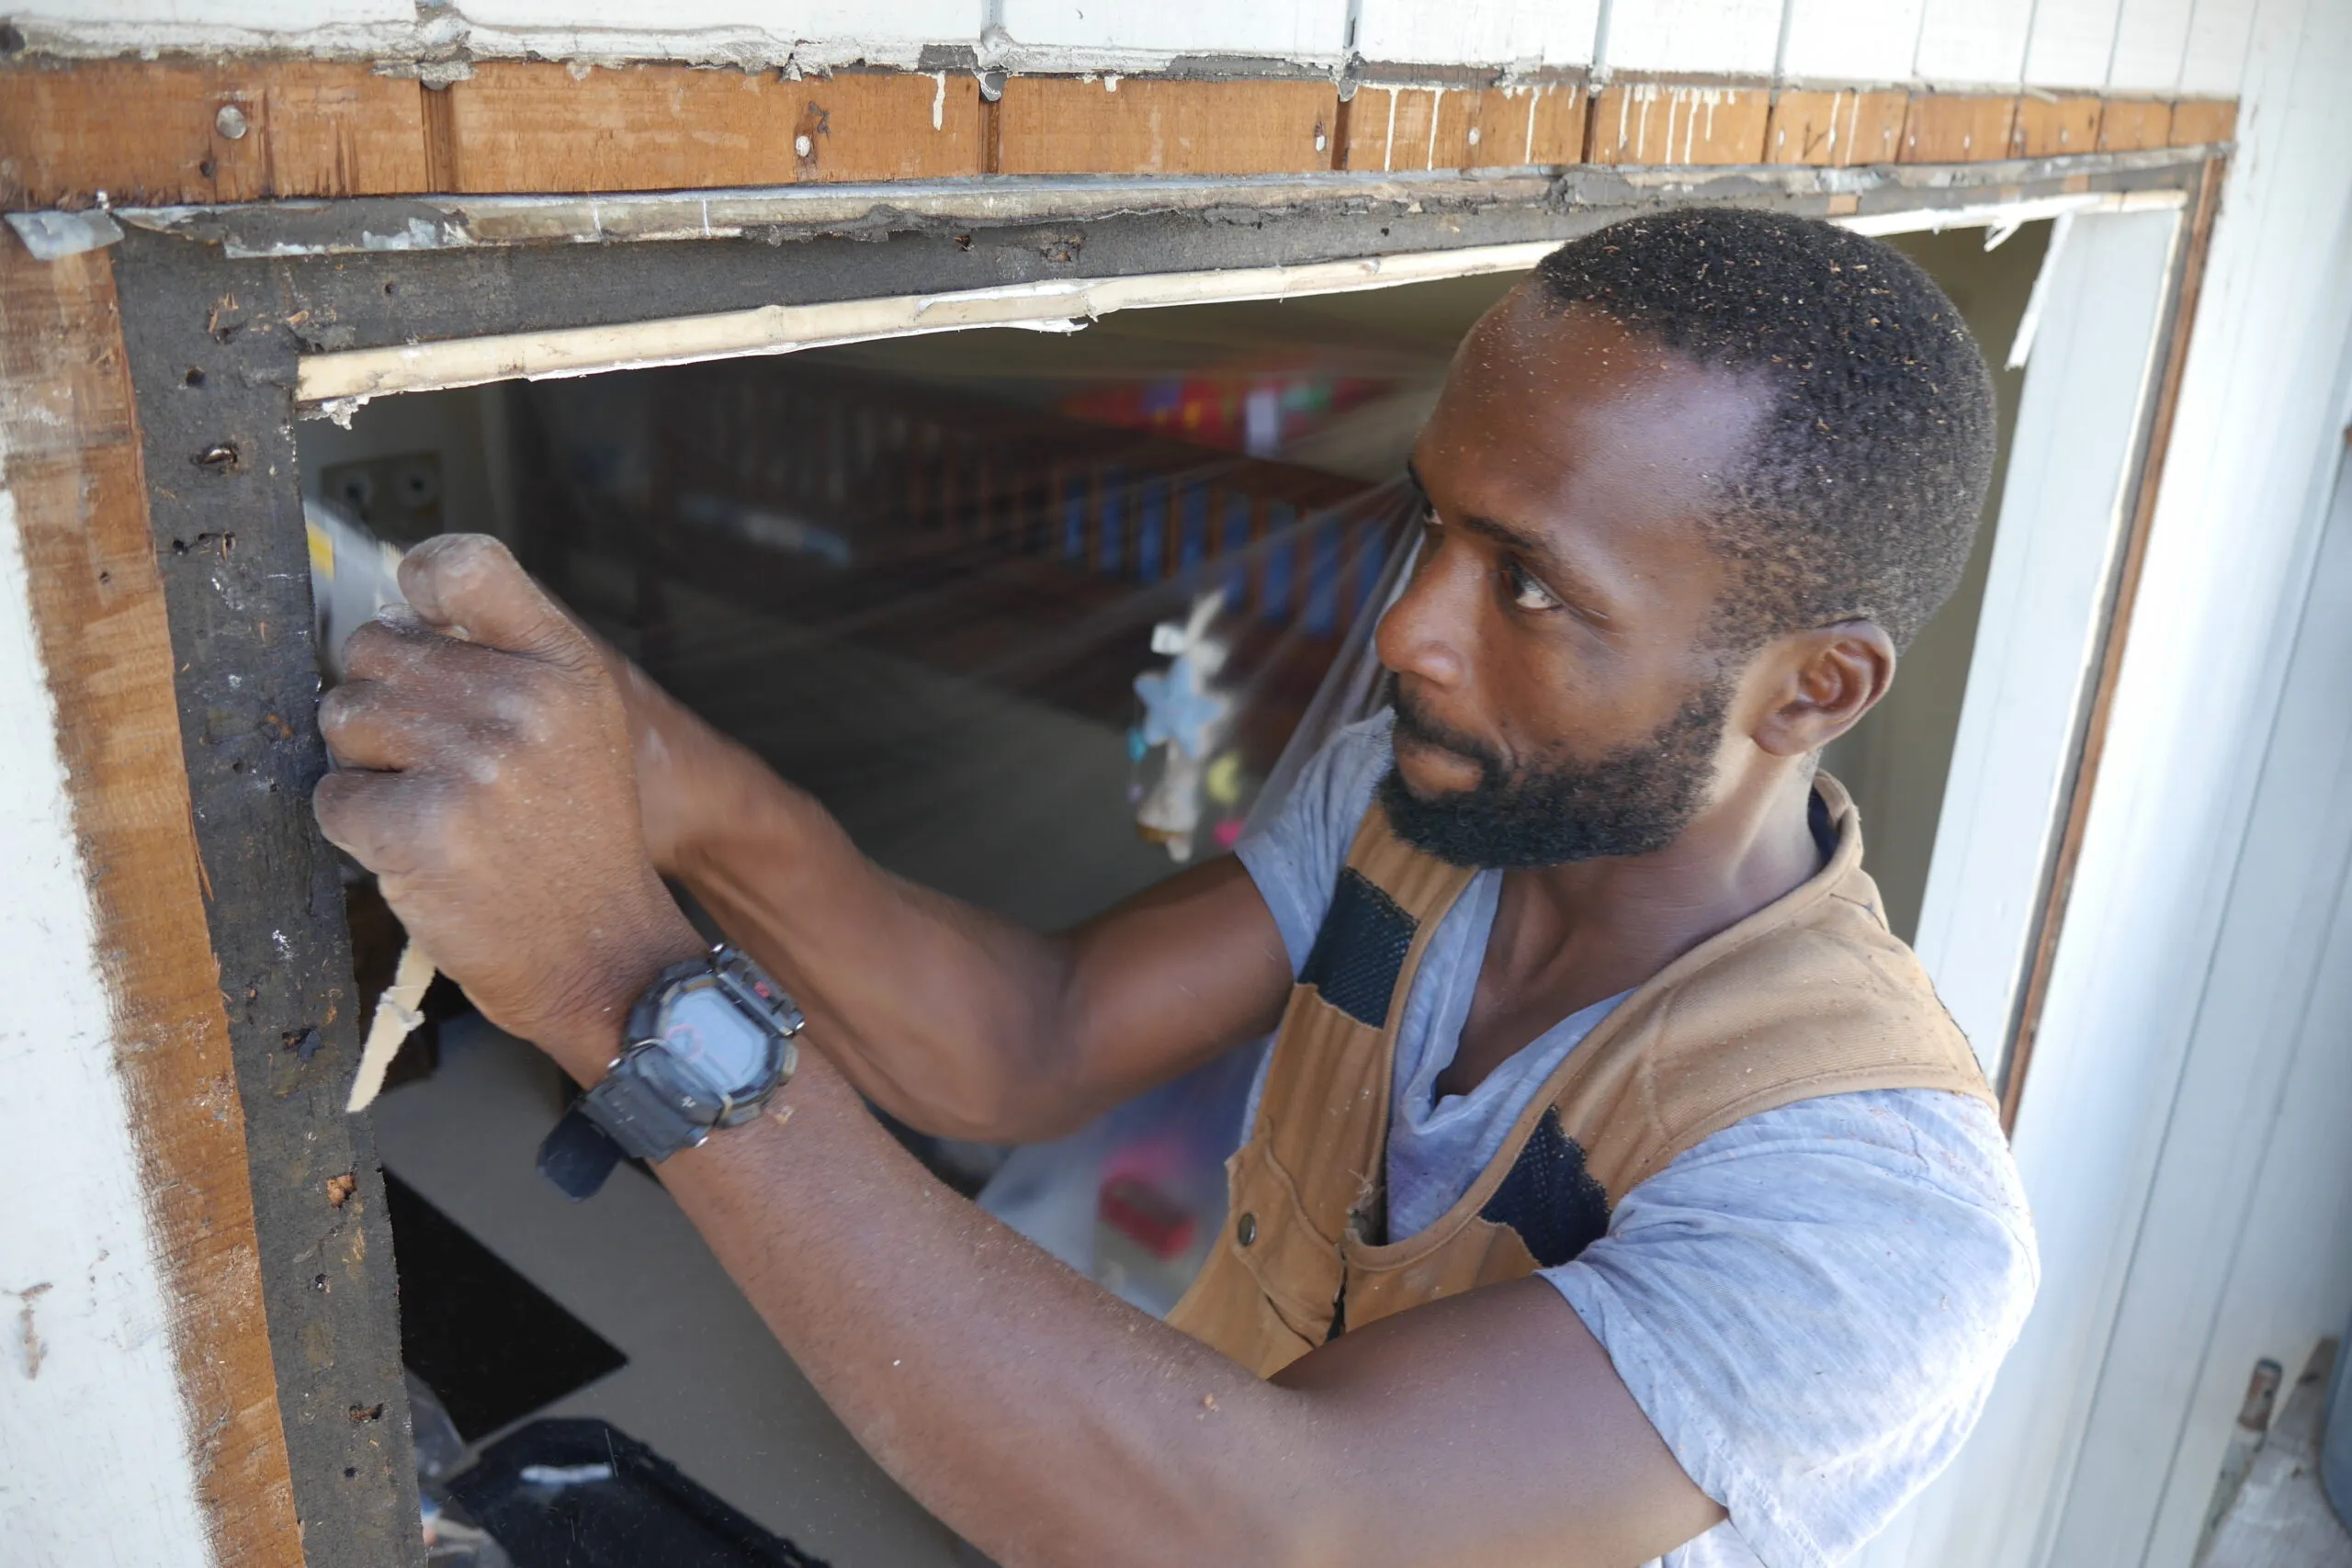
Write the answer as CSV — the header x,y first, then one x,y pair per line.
x,y
353,226
432,223
332,384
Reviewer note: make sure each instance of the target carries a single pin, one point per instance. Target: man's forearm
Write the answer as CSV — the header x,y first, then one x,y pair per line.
x,y
956,1019
948,1015
1055,1426
1046,1420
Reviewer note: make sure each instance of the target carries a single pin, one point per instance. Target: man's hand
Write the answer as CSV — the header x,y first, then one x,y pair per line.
x,y
488,782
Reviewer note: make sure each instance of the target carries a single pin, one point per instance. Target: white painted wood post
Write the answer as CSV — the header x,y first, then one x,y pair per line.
x,y
95,1458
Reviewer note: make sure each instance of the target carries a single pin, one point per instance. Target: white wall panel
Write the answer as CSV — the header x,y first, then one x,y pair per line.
x,y
1972,43
1304,29
1733,37
2071,42
2150,39
2220,32
261,16
96,1464
2256,1177
1851,40
1483,32
2136,1356
883,21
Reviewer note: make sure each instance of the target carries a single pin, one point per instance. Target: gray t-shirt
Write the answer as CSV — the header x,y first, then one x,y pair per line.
x,y
1809,1306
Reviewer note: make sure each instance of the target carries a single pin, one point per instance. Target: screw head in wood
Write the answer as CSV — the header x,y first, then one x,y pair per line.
x,y
230,122
802,146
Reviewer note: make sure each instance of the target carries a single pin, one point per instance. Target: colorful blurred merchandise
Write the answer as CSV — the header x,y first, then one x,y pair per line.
x,y
1260,413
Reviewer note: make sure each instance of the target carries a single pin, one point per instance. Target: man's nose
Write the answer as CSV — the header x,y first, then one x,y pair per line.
x,y
1426,629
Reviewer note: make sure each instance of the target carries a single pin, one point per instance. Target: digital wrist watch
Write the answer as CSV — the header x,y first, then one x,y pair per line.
x,y
708,1045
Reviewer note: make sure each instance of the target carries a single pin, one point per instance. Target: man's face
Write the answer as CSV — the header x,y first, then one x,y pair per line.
x,y
1557,692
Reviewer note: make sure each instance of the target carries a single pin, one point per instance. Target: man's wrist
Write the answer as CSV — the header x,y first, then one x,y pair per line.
x,y
589,1037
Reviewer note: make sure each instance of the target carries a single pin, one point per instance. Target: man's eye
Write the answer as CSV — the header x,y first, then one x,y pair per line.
x,y
1525,592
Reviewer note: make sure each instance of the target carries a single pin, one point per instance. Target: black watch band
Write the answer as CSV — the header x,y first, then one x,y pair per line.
x,y
646,1107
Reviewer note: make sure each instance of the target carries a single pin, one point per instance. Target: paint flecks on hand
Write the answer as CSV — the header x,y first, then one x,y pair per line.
x,y
35,1351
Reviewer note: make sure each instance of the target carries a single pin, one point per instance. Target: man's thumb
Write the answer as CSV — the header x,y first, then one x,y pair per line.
x,y
469,585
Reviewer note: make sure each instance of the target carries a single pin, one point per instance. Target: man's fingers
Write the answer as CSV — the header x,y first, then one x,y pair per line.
x,y
382,821
396,643
470,585
371,724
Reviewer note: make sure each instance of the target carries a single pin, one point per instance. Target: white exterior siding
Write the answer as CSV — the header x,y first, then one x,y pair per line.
x,y
1499,32
2071,44
1736,38
1967,43
2220,32
1852,40
2150,37
95,1461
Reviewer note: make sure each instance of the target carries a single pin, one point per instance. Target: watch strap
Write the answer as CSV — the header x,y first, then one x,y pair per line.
x,y
640,1109
577,1155
643,1109
627,1115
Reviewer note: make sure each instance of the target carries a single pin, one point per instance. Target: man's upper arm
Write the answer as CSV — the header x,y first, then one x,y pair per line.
x,y
1171,979
1811,1305
1203,961
1795,1324
1487,1428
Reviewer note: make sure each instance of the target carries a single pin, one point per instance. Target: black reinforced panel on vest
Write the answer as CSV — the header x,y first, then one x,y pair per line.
x,y
1549,1198
1359,950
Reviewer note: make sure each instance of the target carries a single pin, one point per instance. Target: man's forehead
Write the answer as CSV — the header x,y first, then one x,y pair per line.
x,y
1532,338
1547,394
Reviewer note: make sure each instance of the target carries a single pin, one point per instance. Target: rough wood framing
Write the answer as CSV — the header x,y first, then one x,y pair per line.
x,y
1957,127
2127,125
533,126
72,467
2203,122
228,567
1061,126
1836,127
2110,667
2055,128
155,133
1404,126
1678,125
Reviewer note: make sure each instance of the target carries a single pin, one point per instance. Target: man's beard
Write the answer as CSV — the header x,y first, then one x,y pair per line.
x,y
1632,801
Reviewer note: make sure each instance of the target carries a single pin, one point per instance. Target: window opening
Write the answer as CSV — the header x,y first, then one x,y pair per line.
x,y
1038,617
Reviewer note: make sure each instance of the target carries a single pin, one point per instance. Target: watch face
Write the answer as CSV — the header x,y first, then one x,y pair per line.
x,y
710,1037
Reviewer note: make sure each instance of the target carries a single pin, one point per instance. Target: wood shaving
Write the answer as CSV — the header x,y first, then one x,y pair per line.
x,y
396,1019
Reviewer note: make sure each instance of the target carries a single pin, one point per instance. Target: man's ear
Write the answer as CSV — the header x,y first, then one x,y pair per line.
x,y
1821,685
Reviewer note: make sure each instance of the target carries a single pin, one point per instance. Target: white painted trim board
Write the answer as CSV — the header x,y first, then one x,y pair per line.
x,y
96,1466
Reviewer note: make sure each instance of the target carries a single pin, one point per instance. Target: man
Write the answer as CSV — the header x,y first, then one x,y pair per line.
x,y
1616,1189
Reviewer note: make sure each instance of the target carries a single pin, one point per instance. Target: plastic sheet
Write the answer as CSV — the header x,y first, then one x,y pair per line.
x,y
1039,621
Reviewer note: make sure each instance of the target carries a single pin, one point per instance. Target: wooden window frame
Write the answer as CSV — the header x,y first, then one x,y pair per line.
x,y
213,314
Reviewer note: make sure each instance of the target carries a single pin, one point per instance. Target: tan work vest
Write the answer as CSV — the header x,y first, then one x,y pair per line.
x,y
1811,995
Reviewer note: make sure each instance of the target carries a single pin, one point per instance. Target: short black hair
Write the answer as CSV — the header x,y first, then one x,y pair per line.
x,y
1860,494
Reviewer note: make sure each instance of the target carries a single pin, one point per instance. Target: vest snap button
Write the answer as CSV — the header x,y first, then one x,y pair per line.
x,y
1245,1231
